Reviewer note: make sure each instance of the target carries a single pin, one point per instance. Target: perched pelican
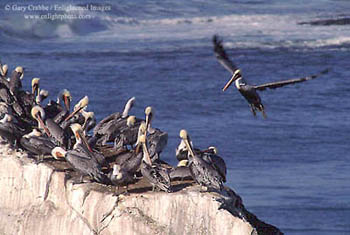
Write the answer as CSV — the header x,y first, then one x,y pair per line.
x,y
15,81
37,144
127,164
156,139
209,155
156,174
35,86
82,144
249,92
9,130
82,163
89,121
105,129
38,114
202,172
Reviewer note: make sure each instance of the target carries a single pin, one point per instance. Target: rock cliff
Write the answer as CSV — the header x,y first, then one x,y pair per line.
x,y
42,199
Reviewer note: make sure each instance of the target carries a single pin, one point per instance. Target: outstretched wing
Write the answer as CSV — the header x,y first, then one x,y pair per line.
x,y
221,55
274,85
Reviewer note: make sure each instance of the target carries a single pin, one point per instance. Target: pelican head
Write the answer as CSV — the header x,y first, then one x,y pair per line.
x,y
35,86
19,70
236,75
131,121
38,112
58,152
79,136
66,97
128,106
43,94
213,149
149,116
4,69
184,136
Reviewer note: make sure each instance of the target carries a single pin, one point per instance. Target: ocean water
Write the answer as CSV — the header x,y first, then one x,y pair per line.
x,y
292,169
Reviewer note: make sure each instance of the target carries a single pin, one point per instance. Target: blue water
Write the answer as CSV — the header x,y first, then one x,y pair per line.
x,y
292,170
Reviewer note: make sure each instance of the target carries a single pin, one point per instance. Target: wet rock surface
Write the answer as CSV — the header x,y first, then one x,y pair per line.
x,y
42,199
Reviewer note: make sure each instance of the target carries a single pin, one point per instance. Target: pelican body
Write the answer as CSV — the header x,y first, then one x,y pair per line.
x,y
82,163
202,172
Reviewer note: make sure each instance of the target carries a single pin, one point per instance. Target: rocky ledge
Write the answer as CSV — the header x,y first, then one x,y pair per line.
x,y
42,199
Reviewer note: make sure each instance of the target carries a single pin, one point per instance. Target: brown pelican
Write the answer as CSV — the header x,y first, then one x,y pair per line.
x,y
35,86
37,144
127,164
109,128
249,92
51,128
82,163
15,81
82,143
204,173
9,130
156,139
38,114
154,173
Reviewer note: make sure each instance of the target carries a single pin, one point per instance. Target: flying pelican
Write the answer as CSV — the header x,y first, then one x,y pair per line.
x,y
249,92
156,174
156,139
37,144
202,172
82,163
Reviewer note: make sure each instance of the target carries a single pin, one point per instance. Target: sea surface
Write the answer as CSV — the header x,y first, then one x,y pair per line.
x,y
292,169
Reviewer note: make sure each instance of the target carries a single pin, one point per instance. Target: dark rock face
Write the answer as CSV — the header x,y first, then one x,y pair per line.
x,y
41,199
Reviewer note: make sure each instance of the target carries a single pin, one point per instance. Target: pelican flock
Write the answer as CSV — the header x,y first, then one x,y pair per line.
x,y
58,132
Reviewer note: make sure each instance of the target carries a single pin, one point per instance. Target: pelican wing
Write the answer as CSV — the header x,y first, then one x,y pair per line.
x,y
274,85
221,55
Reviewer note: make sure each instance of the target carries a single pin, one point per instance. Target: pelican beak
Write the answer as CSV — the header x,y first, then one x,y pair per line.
x,y
138,147
235,76
43,125
66,101
73,113
83,138
146,155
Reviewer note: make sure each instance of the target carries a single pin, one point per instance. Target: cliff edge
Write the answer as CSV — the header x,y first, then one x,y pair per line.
x,y
42,199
